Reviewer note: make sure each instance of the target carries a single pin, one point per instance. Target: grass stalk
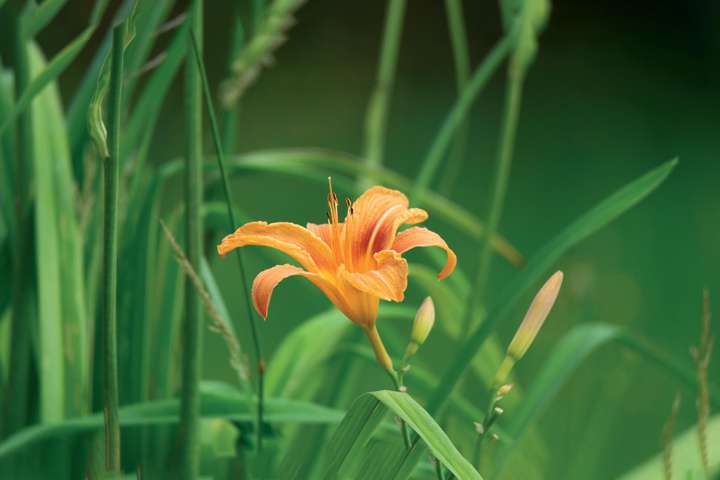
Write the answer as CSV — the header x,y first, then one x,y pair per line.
x,y
499,189
254,327
377,112
459,111
16,396
192,326
110,251
461,59
229,114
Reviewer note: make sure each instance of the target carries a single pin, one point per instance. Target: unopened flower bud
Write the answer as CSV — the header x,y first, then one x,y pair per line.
x,y
502,391
423,323
531,324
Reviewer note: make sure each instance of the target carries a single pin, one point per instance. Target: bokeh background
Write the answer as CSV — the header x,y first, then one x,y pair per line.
x,y
617,88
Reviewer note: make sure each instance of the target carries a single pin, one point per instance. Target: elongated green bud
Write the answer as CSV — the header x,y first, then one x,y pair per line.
x,y
530,326
423,323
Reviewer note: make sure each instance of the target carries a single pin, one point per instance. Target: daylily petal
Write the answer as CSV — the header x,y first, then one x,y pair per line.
x,y
387,281
374,213
266,281
422,237
299,243
322,230
377,215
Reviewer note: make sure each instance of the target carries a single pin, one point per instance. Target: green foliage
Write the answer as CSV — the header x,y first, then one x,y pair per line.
x,y
365,416
307,415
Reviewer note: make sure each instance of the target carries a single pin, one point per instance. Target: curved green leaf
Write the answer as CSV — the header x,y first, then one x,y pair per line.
x,y
365,416
217,401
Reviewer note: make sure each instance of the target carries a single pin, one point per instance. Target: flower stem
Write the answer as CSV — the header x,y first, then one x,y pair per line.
x,y
16,393
110,252
380,353
377,112
192,331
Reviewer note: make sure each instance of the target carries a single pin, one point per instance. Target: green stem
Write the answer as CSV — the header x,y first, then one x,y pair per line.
x,y
377,112
258,12
459,111
110,251
192,328
16,394
500,182
254,327
438,470
461,58
229,115
397,379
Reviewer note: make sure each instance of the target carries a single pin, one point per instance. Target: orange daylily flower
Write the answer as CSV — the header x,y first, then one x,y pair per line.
x,y
355,263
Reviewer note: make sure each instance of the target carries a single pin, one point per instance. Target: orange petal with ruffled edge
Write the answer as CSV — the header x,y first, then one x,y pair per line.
x,y
266,281
299,243
422,237
387,281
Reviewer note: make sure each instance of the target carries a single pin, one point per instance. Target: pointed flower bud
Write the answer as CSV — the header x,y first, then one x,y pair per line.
x,y
423,323
531,324
502,391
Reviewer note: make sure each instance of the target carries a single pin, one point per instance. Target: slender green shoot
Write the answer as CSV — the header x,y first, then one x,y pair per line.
x,y
459,111
16,396
229,113
461,59
110,252
192,325
377,112
254,327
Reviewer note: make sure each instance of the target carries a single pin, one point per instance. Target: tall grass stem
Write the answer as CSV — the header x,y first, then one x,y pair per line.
x,y
377,112
254,327
192,325
229,114
461,59
110,253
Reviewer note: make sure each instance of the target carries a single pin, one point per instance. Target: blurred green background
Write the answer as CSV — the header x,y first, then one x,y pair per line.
x,y
617,89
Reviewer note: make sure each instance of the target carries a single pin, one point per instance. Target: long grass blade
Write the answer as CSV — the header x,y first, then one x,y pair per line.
x,y
15,408
50,73
459,111
586,225
37,18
